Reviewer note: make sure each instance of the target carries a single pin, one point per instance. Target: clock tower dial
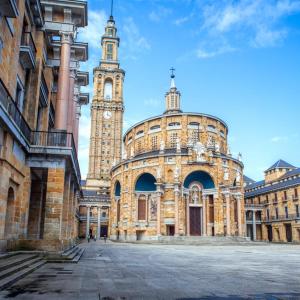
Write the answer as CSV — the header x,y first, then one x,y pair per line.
x,y
106,111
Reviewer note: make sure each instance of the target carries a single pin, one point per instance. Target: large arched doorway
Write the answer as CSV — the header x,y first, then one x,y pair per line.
x,y
9,218
197,209
145,188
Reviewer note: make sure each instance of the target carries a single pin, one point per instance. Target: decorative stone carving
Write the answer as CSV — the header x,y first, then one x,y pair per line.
x,y
217,147
226,174
238,177
158,173
240,156
162,146
200,150
124,154
178,145
131,152
153,208
210,142
176,173
228,151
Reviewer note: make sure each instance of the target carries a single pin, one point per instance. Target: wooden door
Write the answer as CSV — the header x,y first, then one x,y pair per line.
x,y
288,232
195,221
270,234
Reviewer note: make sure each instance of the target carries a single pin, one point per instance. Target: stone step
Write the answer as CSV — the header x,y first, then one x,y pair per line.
x,y
78,256
18,267
14,260
69,251
20,273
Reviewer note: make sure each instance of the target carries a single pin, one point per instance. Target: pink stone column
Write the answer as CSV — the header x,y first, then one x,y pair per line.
x,y
239,211
62,100
71,104
187,215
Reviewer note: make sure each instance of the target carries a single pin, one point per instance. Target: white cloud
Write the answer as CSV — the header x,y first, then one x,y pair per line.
x,y
93,32
204,53
133,41
254,23
279,139
159,14
181,21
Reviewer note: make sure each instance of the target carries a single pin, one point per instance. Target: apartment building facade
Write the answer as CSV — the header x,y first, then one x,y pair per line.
x,y
40,101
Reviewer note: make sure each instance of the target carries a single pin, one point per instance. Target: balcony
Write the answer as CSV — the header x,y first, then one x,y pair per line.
x,y
12,116
295,197
55,143
284,199
8,8
84,98
275,201
282,218
35,12
27,51
254,206
36,143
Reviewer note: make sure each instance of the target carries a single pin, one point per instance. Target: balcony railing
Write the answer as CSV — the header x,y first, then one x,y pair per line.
x,y
57,139
27,51
289,217
284,199
254,206
13,111
295,197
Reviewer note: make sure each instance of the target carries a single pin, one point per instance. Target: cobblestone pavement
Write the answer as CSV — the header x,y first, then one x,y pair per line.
x,y
136,271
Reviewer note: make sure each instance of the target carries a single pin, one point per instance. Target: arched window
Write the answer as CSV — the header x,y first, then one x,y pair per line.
x,y
174,124
108,90
155,127
118,189
109,51
9,218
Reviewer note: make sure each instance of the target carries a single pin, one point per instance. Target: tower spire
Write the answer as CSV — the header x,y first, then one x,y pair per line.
x,y
111,10
173,96
172,78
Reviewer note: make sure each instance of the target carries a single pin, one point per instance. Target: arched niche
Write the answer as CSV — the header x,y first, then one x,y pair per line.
x,y
201,177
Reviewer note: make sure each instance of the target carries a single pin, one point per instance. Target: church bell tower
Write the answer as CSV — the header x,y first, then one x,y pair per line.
x,y
106,112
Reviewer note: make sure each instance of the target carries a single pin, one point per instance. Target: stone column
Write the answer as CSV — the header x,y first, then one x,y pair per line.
x,y
254,225
228,223
54,204
71,110
187,215
204,215
238,199
88,210
99,224
176,192
62,100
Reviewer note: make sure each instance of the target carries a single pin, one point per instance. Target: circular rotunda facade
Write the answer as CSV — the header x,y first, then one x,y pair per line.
x,y
177,178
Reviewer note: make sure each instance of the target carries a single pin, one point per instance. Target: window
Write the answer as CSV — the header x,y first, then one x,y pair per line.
x,y
276,197
195,136
267,198
108,90
154,142
296,193
174,124
268,214
172,101
276,213
20,95
286,211
285,195
109,51
104,214
109,31
173,139
155,128
297,210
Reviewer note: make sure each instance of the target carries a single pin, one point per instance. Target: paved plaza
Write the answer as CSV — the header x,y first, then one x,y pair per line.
x,y
140,271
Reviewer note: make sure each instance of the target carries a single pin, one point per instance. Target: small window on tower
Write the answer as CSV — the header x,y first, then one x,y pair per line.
x,y
110,32
109,51
108,90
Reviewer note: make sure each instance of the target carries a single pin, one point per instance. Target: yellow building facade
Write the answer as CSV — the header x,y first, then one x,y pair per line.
x,y
272,205
177,178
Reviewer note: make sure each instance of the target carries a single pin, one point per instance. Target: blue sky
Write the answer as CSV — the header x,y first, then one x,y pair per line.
x,y
237,60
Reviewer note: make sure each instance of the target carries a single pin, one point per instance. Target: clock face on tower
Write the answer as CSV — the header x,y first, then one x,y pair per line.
x,y
107,115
